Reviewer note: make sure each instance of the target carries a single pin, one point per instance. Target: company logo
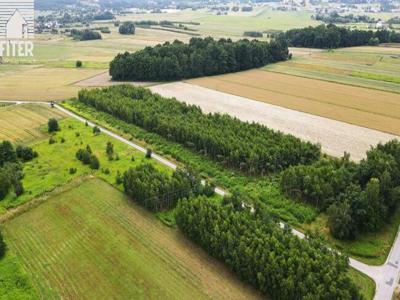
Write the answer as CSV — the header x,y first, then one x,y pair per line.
x,y
16,27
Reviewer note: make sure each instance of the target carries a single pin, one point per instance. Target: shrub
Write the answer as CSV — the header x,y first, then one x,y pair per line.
x,y
127,28
52,125
72,171
94,162
52,140
78,64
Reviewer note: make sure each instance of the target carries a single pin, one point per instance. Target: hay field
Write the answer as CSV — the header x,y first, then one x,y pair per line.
x,y
371,67
92,242
354,105
21,123
43,84
335,137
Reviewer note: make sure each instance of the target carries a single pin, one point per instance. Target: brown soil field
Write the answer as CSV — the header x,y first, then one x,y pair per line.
x,y
355,105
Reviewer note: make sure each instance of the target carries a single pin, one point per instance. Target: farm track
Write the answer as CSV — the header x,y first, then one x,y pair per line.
x,y
385,276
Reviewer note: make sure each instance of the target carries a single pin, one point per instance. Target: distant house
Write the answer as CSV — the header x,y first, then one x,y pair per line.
x,y
380,25
17,27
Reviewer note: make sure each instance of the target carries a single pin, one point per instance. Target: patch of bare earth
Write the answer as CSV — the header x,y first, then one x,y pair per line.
x,y
104,80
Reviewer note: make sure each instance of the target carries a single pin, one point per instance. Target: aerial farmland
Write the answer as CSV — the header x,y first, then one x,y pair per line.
x,y
195,150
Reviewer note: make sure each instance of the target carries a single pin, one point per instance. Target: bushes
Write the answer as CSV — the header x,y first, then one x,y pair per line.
x,y
127,28
358,197
52,125
254,34
278,263
252,148
87,158
85,35
331,36
2,246
25,153
157,191
201,57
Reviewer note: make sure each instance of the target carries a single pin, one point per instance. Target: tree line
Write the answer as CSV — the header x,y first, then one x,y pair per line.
x,y
331,36
158,191
273,260
250,147
358,197
200,57
11,160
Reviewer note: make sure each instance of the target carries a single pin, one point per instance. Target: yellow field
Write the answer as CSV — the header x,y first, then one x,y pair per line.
x,y
22,123
43,84
360,106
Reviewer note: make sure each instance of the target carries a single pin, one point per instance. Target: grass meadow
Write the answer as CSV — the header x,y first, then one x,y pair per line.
x,y
52,168
92,242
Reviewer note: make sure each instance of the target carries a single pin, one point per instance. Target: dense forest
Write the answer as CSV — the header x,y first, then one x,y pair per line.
x,y
250,147
200,57
332,36
278,263
11,160
158,191
359,197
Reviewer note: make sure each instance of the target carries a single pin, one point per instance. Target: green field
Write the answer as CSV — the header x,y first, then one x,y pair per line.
x,y
51,168
371,67
91,242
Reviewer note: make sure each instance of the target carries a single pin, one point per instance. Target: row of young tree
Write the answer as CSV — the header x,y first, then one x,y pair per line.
x,y
250,147
279,264
11,160
359,197
200,57
158,191
331,36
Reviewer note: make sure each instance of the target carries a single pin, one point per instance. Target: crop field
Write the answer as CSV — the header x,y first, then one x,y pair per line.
x,y
43,84
372,67
368,108
21,123
335,137
91,242
234,24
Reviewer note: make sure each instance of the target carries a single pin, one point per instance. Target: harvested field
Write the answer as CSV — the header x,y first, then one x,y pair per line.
x,y
21,123
335,137
363,107
104,80
92,242
43,84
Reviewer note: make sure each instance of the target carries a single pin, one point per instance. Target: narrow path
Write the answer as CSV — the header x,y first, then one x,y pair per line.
x,y
386,276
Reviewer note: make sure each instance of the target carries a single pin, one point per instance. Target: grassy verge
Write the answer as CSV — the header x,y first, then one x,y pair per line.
x,y
364,283
379,77
14,282
369,248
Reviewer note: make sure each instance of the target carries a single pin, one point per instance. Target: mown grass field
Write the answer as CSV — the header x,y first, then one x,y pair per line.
x,y
21,123
371,67
91,242
355,105
52,168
